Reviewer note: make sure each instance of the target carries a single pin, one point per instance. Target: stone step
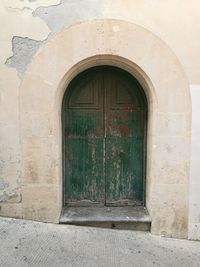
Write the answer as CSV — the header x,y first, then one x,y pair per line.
x,y
127,218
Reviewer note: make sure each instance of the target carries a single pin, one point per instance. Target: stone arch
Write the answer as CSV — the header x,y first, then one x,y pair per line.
x,y
145,56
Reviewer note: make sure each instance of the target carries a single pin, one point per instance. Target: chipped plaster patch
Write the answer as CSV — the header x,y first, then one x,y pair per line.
x,y
31,4
69,12
23,51
3,184
12,197
8,193
51,14
17,16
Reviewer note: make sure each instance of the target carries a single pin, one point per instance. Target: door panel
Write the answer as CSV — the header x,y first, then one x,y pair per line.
x,y
84,158
104,131
124,170
124,142
83,139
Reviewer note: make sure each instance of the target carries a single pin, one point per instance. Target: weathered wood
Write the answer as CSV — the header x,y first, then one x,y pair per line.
x,y
104,139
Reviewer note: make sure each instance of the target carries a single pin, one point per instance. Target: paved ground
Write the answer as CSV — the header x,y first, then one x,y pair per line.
x,y
26,243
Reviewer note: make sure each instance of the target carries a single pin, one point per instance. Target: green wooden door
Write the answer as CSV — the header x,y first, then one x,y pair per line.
x,y
104,134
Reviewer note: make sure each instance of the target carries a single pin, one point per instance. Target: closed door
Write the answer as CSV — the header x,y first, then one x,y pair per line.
x,y
104,134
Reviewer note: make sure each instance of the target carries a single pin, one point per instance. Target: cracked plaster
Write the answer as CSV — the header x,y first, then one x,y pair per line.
x,y
23,51
69,12
10,151
10,179
3,184
56,16
17,20
31,4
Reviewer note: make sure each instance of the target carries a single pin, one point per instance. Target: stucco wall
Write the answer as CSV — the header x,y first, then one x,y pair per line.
x,y
27,24
194,200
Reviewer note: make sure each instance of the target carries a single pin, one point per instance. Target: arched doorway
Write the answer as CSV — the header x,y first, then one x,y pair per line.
x,y
104,119
41,92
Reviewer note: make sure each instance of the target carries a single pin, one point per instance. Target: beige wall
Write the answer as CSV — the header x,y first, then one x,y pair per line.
x,y
28,24
176,22
194,199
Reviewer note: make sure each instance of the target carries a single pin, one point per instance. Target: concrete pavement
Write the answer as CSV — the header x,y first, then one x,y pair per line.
x,y
25,243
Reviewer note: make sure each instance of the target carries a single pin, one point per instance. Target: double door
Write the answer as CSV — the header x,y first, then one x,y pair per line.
x,y
104,131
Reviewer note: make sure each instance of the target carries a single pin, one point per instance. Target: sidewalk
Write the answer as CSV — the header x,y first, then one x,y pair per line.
x,y
26,243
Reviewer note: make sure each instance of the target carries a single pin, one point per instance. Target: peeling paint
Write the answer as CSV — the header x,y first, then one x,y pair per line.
x,y
13,197
3,184
69,12
10,189
30,4
23,51
17,16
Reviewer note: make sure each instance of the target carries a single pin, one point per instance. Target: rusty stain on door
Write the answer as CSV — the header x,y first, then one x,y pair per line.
x,y
104,116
